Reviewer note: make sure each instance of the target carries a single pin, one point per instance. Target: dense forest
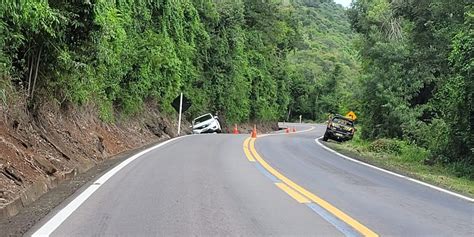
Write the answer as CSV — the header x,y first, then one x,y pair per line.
x,y
417,75
226,56
404,66
246,60
324,67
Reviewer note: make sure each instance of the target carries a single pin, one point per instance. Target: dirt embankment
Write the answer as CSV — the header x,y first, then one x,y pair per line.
x,y
39,150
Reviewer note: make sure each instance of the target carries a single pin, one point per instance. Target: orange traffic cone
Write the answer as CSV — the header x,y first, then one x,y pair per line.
x,y
294,129
236,131
254,131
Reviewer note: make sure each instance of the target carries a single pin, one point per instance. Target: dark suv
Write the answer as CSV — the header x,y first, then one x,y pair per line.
x,y
339,128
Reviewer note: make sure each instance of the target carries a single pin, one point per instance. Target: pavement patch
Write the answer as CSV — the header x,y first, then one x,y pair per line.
x,y
340,225
266,173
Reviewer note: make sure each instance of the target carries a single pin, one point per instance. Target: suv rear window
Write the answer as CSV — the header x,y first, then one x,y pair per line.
x,y
343,122
203,118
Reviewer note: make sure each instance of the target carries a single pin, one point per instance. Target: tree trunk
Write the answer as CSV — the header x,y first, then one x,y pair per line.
x,y
30,64
36,72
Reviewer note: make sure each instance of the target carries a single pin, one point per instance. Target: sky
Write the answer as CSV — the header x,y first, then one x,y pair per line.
x,y
345,3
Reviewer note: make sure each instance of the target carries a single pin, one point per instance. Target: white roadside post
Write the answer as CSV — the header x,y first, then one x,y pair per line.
x,y
301,116
180,110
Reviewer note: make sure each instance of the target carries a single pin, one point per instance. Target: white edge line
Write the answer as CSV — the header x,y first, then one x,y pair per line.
x,y
64,213
282,133
393,173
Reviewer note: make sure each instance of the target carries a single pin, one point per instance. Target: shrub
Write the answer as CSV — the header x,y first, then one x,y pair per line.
x,y
413,153
462,169
384,145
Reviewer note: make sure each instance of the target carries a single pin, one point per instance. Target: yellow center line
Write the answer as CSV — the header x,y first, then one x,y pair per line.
x,y
297,196
246,150
324,204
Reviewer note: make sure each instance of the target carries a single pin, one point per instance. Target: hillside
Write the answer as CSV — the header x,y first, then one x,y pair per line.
x,y
325,66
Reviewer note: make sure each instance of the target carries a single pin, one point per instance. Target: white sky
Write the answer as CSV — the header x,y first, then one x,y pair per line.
x,y
345,3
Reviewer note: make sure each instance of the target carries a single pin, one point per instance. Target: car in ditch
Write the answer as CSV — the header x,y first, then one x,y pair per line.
x,y
339,128
206,123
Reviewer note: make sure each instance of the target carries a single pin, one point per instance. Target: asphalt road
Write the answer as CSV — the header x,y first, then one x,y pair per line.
x,y
208,185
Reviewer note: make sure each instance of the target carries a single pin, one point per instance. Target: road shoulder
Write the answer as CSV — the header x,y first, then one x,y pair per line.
x,y
462,188
28,216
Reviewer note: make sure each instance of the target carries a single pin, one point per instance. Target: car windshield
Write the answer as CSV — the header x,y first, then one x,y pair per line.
x,y
342,122
203,118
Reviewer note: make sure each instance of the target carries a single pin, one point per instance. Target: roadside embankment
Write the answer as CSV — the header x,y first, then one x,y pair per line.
x,y
43,148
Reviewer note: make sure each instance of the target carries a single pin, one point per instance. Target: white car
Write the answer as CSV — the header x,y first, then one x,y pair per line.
x,y
206,124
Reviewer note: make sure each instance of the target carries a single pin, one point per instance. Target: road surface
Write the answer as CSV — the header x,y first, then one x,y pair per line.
x,y
280,185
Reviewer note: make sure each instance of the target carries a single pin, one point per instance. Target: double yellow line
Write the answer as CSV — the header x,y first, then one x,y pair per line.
x,y
299,193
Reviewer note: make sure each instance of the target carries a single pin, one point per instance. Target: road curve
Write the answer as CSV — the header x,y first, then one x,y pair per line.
x,y
206,185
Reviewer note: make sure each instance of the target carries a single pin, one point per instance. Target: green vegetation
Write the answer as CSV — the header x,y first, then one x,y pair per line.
x,y
417,70
246,59
227,56
325,66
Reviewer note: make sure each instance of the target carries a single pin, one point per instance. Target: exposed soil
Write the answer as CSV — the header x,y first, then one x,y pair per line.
x,y
42,148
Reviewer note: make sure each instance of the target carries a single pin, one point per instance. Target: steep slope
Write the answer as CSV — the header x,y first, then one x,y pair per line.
x,y
325,65
40,150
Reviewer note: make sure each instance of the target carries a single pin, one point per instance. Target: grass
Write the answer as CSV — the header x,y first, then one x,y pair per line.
x,y
406,159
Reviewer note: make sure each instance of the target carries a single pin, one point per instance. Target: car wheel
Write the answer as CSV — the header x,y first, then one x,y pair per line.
x,y
325,138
